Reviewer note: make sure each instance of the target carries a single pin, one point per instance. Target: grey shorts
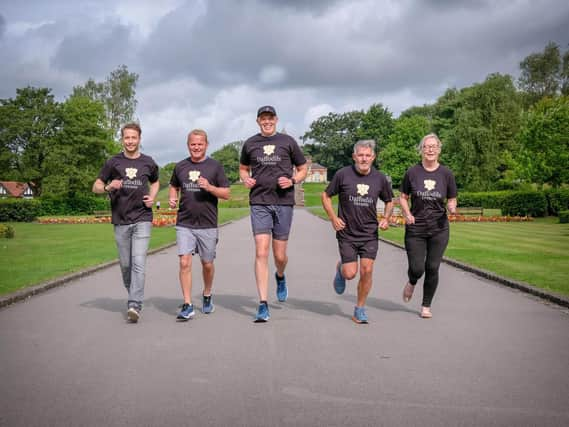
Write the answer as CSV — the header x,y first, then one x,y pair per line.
x,y
272,219
349,251
197,240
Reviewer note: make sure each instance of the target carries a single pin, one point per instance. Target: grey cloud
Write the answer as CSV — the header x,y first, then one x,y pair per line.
x,y
2,26
94,53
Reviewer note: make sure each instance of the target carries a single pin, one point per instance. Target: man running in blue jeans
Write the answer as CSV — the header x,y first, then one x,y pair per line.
x,y
266,167
201,182
126,177
358,188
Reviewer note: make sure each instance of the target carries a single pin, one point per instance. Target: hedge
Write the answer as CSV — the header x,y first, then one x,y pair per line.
x,y
25,210
558,200
524,203
487,200
564,217
19,210
78,205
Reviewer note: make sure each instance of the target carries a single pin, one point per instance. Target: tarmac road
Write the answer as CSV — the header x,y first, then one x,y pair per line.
x,y
490,356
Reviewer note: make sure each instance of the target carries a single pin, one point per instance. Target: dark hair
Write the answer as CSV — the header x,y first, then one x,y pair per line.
x,y
134,126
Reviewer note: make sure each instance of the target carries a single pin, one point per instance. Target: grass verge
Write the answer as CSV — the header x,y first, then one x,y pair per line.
x,y
41,252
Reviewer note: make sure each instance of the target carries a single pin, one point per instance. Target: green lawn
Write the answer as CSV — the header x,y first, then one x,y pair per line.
x,y
533,252
41,252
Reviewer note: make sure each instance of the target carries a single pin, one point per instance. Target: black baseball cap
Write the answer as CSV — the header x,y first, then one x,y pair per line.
x,y
267,109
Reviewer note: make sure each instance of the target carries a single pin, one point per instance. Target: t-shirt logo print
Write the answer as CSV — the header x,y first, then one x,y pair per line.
x,y
268,149
430,184
194,175
131,172
362,189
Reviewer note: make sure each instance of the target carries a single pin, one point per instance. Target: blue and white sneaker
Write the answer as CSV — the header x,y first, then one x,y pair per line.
x,y
339,281
360,315
282,290
186,313
263,313
207,306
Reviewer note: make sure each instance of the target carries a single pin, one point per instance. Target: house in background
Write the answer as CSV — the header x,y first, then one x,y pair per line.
x,y
16,189
316,172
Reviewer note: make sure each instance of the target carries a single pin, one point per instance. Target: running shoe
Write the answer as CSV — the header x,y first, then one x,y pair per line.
x,y
263,313
133,315
360,315
207,306
339,281
282,290
186,313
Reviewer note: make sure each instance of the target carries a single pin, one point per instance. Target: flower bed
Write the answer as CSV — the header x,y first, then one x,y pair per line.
x,y
396,220
160,220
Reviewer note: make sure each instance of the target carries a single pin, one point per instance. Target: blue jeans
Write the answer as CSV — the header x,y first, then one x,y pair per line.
x,y
132,243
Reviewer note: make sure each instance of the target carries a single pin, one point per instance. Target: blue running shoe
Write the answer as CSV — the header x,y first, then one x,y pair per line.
x,y
207,306
186,313
263,313
360,315
282,290
339,281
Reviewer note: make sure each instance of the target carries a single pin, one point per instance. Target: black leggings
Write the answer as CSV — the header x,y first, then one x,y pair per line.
x,y
424,254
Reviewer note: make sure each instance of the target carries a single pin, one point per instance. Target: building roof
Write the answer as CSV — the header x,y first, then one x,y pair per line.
x,y
318,166
14,188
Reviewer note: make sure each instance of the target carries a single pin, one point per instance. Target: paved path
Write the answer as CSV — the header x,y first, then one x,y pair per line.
x,y
491,356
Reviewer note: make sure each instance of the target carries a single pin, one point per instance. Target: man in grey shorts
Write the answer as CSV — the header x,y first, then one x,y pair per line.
x,y
266,168
201,181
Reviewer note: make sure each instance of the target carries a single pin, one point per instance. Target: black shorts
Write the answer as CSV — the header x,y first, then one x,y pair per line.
x,y
349,251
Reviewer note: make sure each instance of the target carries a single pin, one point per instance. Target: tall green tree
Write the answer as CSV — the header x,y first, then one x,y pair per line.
x,y
29,124
79,149
376,124
544,74
544,138
118,95
331,138
401,149
228,156
480,145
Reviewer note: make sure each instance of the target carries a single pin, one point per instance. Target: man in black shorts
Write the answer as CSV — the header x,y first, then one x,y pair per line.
x,y
358,188
127,178
266,168
201,182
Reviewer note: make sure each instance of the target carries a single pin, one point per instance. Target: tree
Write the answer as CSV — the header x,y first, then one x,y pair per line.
x,y
376,124
400,151
28,126
545,142
117,93
166,174
79,149
332,138
478,125
228,156
542,74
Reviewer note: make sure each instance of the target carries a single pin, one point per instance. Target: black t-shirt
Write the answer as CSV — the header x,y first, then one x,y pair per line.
x,y
428,192
126,204
198,208
270,158
357,197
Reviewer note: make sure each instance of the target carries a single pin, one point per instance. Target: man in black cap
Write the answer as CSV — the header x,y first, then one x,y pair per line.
x,y
266,167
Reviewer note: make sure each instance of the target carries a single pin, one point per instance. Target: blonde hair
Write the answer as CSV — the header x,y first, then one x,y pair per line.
x,y
198,132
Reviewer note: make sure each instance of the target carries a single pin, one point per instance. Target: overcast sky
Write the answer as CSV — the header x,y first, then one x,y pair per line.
x,y
211,63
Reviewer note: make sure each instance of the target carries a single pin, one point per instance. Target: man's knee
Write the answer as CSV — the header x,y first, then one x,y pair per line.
x,y
185,263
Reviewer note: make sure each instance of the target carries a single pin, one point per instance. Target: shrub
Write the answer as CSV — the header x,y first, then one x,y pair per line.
x,y
525,203
487,200
564,217
78,205
7,231
19,210
557,200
